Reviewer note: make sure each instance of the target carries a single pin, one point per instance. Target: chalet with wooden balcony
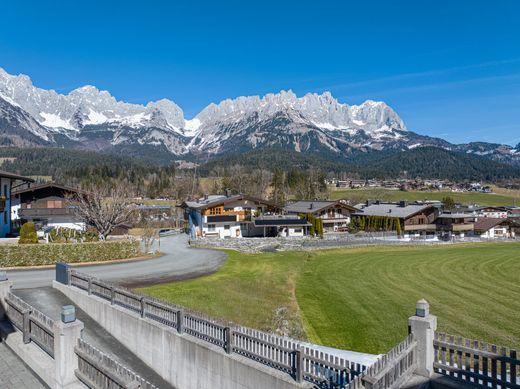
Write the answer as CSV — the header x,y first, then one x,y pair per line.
x,y
226,216
455,224
45,205
335,215
8,181
415,219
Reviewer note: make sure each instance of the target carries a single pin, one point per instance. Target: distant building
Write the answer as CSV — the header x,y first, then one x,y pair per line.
x,y
455,224
415,219
46,205
227,216
357,183
493,212
335,215
8,181
493,228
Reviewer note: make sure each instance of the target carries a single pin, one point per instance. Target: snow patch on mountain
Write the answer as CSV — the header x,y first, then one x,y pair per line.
x,y
54,121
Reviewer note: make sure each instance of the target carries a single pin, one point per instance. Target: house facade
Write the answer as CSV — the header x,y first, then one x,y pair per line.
x,y
493,228
335,215
414,219
455,224
493,212
8,181
46,206
226,216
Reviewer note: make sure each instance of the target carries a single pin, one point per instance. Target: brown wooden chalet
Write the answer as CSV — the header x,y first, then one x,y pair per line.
x,y
45,205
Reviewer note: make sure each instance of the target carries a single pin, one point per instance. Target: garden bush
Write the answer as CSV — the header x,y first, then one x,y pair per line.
x,y
48,254
28,234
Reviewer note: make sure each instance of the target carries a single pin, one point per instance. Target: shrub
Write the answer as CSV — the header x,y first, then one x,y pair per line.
x,y
48,254
28,234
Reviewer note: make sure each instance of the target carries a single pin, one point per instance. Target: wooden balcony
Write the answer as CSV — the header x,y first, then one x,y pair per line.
x,y
420,227
463,227
43,213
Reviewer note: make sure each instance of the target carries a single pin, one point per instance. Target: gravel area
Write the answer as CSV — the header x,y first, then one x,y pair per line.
x,y
336,240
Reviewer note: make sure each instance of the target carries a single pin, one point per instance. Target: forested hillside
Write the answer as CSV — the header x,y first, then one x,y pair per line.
x,y
424,162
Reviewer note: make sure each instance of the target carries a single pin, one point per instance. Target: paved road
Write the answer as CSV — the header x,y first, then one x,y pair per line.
x,y
178,262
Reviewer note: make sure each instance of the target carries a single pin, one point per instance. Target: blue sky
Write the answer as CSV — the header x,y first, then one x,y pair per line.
x,y
449,68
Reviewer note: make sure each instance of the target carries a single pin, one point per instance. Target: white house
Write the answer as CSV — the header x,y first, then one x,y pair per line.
x,y
493,228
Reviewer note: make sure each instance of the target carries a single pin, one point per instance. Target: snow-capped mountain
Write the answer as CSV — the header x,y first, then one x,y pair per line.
x,y
93,119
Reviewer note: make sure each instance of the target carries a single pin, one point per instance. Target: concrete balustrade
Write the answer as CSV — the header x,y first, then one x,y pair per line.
x,y
57,372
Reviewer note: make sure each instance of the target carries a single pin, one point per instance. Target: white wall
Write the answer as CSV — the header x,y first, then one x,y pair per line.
x,y
221,231
80,226
182,360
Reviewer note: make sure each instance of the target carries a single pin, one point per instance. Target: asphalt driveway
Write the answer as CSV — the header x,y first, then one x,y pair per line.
x,y
178,262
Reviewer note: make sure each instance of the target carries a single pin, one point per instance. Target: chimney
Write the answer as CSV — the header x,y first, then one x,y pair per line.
x,y
403,203
311,206
205,196
228,193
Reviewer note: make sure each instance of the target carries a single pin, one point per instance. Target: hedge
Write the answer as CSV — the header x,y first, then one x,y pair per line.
x,y
12,255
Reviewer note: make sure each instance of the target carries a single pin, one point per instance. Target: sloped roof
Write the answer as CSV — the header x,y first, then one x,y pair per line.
x,y
486,223
213,201
15,176
308,206
393,210
33,188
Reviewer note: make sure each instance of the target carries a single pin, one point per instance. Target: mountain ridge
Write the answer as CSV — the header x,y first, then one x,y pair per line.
x,y
92,119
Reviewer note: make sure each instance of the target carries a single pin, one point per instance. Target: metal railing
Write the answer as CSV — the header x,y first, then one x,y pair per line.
x,y
476,362
34,325
284,354
98,371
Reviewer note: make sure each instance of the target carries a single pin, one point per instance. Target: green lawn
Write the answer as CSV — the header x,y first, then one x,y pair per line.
x,y
360,299
360,195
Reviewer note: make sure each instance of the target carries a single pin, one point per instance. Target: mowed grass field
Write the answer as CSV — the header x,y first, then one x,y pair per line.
x,y
360,299
396,195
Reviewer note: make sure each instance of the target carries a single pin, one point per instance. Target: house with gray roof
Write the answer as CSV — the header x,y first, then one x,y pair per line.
x,y
414,219
237,216
335,215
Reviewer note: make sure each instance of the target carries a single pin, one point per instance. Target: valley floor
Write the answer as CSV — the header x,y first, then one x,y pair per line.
x,y
359,299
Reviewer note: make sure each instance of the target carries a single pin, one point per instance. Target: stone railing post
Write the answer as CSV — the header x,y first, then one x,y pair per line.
x,y
112,295
66,337
228,336
298,364
180,320
423,325
143,307
5,288
26,325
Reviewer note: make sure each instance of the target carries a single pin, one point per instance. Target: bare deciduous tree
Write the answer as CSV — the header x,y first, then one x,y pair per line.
x,y
103,208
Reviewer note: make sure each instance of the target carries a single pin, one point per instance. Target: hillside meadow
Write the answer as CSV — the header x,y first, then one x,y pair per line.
x,y
361,195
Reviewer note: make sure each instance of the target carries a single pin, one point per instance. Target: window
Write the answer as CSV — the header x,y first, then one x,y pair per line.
x,y
5,190
215,211
54,204
297,230
226,226
211,227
